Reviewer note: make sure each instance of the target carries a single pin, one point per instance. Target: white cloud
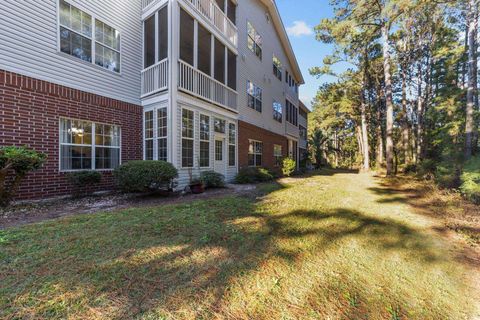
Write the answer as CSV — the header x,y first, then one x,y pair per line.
x,y
299,28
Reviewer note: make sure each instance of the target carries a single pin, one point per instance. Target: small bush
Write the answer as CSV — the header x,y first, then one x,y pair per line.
x,y
83,180
470,180
427,168
15,164
410,168
253,175
447,177
144,176
212,179
288,167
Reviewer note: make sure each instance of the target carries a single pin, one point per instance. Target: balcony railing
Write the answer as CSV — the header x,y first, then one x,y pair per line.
x,y
155,78
147,3
204,86
212,12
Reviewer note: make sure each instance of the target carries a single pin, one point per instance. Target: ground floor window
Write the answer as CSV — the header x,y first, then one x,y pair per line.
x,y
204,141
278,155
232,138
187,138
86,145
255,153
156,131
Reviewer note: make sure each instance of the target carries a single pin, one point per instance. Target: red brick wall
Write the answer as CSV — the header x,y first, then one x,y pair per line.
x,y
248,131
29,116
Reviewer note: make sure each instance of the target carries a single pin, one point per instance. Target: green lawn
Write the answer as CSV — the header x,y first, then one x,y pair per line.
x,y
331,246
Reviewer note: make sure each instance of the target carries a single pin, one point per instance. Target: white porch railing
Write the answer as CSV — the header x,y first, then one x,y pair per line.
x,y
204,86
146,3
155,78
212,12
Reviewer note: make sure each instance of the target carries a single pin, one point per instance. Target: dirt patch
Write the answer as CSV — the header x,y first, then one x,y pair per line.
x,y
26,213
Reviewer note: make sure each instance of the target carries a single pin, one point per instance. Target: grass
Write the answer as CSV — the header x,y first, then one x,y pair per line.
x,y
331,246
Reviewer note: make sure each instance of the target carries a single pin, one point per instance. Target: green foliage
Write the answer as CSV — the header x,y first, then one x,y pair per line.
x,y
143,176
288,167
253,175
83,180
447,176
15,164
212,179
470,180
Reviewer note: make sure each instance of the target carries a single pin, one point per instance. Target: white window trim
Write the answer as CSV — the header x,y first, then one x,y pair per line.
x,y
203,140
255,88
182,137
275,111
92,38
255,153
275,156
254,42
230,144
279,68
93,146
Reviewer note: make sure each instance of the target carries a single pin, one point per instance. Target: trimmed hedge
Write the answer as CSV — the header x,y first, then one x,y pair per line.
x,y
253,175
82,181
145,176
212,179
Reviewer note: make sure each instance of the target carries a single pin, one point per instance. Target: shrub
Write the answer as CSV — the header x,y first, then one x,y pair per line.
x,y
253,175
447,176
288,167
410,168
427,168
144,176
470,180
15,164
83,180
212,179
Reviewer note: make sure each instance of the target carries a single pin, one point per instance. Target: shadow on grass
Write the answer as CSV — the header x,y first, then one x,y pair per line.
x,y
128,264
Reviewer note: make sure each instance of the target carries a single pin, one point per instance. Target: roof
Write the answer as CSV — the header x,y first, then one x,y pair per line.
x,y
279,26
304,107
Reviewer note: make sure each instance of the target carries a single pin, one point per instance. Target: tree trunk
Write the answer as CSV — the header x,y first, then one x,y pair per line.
x,y
472,86
419,149
378,129
405,126
388,98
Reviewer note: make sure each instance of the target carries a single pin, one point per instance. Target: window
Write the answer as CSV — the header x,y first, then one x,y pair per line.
x,y
204,50
232,138
156,132
277,111
187,138
149,132
292,113
218,150
82,38
107,46
303,113
232,70
221,4
254,40
86,145
303,132
219,125
254,96
204,141
278,155
162,126
75,32
219,61
255,153
277,68
186,37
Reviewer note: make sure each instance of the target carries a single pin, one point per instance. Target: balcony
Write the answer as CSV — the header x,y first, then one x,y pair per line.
x,y
212,13
203,86
155,78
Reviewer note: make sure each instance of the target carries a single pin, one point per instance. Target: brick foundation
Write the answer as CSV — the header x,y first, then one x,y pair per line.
x,y
30,110
248,131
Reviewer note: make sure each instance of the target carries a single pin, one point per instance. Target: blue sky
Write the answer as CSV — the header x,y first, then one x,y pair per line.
x,y
300,17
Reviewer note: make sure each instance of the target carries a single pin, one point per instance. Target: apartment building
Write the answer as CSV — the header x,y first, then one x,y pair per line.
x,y
203,84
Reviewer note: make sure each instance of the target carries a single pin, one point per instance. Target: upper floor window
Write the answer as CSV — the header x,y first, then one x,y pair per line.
x,y
86,145
277,111
303,132
292,113
232,11
187,31
82,38
254,40
254,96
303,113
277,68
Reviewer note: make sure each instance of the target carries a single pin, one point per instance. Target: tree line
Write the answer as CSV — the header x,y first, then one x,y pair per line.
x,y
408,99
